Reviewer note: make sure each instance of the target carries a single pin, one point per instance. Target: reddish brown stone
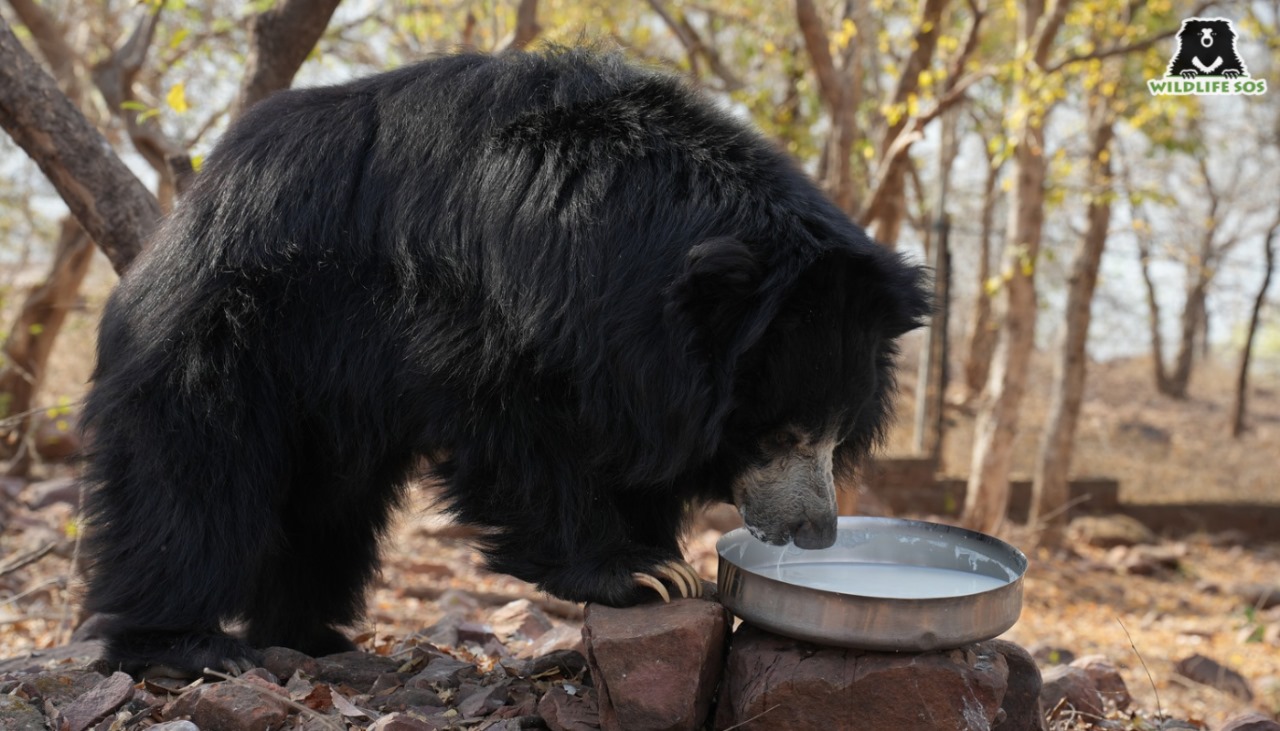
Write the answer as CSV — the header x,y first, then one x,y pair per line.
x,y
519,619
1071,686
565,711
655,666
1021,702
98,703
772,682
232,706
1250,722
1106,679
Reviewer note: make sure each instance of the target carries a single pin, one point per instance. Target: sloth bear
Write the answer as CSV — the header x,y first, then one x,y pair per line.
x,y
1206,47
586,298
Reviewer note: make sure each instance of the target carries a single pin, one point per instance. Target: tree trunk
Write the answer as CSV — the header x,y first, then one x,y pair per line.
x,y
32,336
281,39
1159,372
981,341
885,219
839,88
1049,491
1239,406
987,495
106,198
1192,324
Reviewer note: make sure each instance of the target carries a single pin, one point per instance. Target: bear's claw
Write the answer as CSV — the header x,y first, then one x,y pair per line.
x,y
679,573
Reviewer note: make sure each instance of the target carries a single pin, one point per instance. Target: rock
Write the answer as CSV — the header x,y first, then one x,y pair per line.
x,y
60,688
476,633
772,682
445,672
1147,560
356,669
98,703
1072,687
519,619
1021,702
401,722
1108,531
1106,680
1215,675
484,700
231,706
567,663
570,707
284,662
175,726
1258,596
1250,722
655,666
561,637
1049,655
16,714
76,655
404,698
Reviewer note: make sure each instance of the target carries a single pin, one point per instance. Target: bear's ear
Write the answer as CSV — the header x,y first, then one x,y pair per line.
x,y
715,290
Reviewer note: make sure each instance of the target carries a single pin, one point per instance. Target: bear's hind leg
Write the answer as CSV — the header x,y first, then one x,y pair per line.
x,y
316,581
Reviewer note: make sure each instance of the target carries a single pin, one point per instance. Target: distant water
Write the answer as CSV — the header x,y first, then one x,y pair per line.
x,y
884,581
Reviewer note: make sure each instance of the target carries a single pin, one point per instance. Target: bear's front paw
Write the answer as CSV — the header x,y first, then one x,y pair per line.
x,y
681,575
182,655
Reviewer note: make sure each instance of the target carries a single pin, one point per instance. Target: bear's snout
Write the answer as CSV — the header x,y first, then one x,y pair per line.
x,y
815,533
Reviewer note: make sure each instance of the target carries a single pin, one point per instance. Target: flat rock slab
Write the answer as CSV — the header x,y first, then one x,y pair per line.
x,y
655,666
98,703
1250,722
773,682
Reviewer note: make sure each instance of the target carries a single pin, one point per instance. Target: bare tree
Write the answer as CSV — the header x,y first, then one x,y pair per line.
x,y
1239,405
1049,492
987,495
281,38
886,206
839,87
114,207
980,340
31,338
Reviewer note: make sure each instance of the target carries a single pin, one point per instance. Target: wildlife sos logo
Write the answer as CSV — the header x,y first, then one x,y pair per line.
x,y
1206,62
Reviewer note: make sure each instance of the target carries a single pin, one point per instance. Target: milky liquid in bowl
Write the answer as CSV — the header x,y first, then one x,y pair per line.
x,y
881,580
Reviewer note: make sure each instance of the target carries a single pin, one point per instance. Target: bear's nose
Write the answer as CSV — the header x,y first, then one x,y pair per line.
x,y
815,534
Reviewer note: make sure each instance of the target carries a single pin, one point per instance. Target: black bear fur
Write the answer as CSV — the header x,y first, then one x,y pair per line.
x,y
578,289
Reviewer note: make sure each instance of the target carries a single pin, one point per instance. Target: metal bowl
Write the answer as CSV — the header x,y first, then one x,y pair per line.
x,y
886,584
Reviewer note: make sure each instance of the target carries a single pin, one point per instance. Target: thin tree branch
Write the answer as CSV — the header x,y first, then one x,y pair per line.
x,y
114,207
814,32
282,38
527,28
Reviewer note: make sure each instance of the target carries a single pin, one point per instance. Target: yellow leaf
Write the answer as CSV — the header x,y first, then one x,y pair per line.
x,y
61,425
177,98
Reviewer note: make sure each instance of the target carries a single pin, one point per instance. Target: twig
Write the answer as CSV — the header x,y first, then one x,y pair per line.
x,y
749,720
1156,693
26,559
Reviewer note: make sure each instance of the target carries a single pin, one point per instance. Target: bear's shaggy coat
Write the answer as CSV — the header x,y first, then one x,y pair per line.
x,y
590,298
